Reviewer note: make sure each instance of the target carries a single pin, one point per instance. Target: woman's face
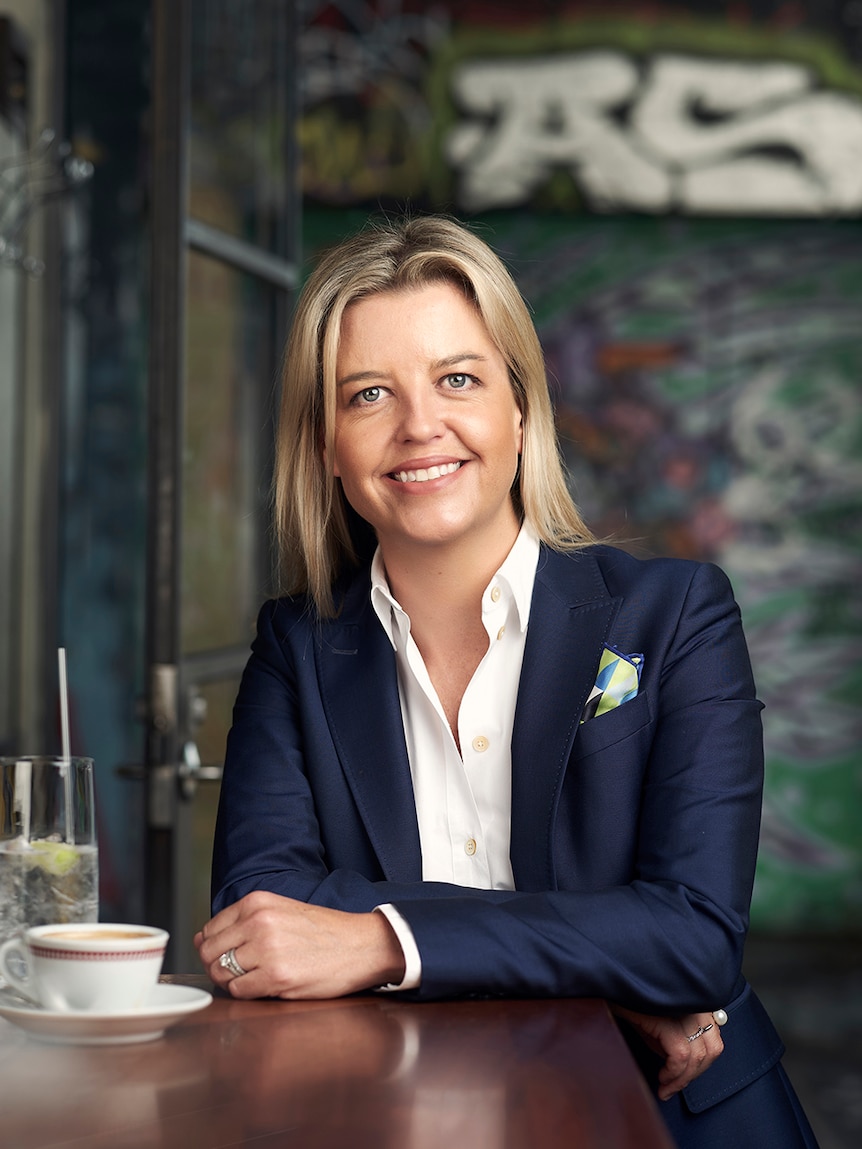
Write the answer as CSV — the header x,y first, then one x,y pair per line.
x,y
427,431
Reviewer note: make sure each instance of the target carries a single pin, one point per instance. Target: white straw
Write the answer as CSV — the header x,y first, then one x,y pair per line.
x,y
64,703
67,746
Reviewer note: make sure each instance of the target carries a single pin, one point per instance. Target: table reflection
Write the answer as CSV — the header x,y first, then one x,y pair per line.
x,y
365,1071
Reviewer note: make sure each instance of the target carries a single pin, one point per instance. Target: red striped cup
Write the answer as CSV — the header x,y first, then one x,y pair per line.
x,y
101,967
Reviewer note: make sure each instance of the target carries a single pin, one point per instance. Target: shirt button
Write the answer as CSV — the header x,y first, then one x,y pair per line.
x,y
470,847
495,594
500,633
480,744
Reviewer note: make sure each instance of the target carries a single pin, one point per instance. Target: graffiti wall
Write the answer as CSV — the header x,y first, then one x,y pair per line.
x,y
678,189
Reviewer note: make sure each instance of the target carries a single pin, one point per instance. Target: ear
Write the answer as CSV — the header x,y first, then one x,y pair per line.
x,y
519,433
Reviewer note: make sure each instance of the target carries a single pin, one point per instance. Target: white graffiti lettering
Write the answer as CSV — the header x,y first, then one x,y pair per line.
x,y
684,133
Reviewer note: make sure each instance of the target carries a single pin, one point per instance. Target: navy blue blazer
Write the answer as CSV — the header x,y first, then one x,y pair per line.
x,y
634,834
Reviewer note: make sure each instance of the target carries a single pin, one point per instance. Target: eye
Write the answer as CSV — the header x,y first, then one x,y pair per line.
x,y
459,380
366,396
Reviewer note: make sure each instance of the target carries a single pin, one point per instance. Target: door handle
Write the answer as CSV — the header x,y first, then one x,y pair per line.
x,y
190,771
165,781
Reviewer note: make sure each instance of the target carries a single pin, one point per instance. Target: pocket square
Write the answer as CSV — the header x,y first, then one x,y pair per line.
x,y
617,682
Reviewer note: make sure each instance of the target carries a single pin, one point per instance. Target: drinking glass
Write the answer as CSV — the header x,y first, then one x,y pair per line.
x,y
49,861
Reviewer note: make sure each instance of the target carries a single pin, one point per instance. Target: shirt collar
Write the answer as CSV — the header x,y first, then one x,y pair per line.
x,y
515,578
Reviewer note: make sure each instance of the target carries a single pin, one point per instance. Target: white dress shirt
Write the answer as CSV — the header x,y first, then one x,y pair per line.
x,y
463,800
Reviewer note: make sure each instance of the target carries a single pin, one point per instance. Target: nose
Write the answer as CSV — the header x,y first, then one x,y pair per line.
x,y
421,417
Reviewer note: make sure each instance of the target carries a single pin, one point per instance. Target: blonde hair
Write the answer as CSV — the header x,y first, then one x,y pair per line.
x,y
316,539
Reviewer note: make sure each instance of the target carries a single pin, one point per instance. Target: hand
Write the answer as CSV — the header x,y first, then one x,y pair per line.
x,y
668,1036
294,950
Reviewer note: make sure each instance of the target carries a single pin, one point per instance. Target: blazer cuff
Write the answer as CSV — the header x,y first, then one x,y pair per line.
x,y
412,961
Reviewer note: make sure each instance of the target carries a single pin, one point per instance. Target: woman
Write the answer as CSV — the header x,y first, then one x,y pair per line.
x,y
495,757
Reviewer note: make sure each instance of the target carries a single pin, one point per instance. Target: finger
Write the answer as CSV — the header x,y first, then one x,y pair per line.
x,y
256,983
714,1046
707,1047
213,950
222,920
687,1060
247,907
680,1055
674,1077
216,941
227,980
685,1049
246,918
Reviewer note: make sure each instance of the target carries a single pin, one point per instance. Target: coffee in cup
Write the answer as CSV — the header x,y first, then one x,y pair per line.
x,y
101,967
86,933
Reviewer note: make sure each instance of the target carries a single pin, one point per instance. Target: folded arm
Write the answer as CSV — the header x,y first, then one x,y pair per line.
x,y
669,939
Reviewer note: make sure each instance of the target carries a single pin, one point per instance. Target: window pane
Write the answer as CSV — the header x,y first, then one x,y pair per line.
x,y
239,118
225,466
11,290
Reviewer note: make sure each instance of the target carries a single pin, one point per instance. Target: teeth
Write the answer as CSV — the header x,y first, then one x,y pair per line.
x,y
422,475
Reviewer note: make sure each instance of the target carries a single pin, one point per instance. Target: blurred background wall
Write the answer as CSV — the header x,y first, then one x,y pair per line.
x,y
678,189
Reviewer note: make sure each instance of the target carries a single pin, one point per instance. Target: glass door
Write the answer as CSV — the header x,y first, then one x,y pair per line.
x,y
224,251
11,389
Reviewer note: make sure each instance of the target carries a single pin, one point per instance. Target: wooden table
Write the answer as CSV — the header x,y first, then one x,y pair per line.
x,y
360,1072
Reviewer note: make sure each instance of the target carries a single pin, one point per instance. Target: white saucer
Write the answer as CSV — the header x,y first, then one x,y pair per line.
x,y
167,1005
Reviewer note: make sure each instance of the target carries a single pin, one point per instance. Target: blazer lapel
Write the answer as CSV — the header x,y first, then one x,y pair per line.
x,y
359,689
570,615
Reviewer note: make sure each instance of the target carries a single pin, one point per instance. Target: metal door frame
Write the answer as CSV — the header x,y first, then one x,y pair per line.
x,y
170,784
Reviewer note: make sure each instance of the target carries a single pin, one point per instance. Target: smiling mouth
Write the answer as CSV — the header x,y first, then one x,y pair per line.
x,y
424,474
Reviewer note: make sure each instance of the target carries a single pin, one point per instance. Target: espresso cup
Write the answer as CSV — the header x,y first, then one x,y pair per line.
x,y
97,967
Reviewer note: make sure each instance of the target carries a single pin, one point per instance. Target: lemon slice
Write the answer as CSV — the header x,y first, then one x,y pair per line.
x,y
55,857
